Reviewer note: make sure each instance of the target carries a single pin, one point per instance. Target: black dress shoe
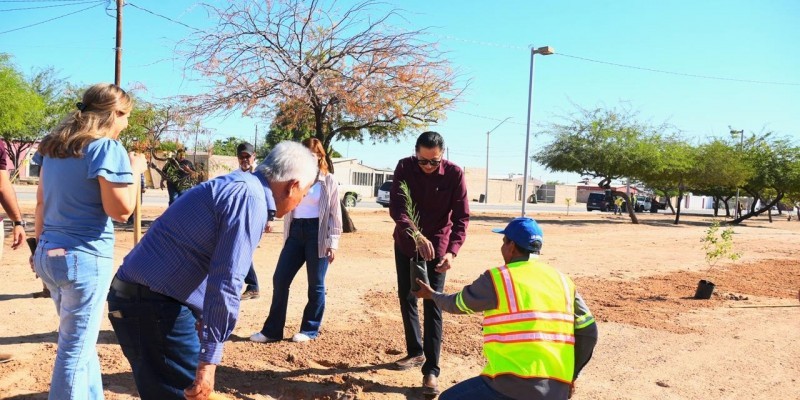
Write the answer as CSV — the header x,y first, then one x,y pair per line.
x,y
409,362
430,385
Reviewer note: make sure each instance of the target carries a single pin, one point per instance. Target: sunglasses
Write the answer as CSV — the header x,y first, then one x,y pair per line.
x,y
433,163
244,156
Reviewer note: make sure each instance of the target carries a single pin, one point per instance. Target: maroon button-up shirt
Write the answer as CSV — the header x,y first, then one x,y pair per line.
x,y
441,201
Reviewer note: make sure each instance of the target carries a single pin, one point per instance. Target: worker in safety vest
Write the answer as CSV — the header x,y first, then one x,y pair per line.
x,y
537,331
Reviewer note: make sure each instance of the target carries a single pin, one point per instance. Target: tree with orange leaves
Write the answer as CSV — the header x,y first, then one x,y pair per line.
x,y
349,73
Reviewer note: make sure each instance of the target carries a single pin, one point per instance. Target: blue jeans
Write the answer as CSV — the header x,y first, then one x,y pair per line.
x,y
300,247
158,337
472,388
78,284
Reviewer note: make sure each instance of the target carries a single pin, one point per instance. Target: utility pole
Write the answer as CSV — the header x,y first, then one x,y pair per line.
x,y
486,181
741,144
118,49
137,212
255,141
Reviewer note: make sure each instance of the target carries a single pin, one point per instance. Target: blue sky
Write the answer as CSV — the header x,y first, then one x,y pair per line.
x,y
488,42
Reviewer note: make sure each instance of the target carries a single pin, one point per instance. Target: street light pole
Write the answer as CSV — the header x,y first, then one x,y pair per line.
x,y
486,188
741,140
545,51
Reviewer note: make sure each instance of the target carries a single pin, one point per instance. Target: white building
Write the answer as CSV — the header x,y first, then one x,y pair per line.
x,y
359,180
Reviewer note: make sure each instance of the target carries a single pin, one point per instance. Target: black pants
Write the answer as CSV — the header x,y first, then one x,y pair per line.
x,y
251,279
430,343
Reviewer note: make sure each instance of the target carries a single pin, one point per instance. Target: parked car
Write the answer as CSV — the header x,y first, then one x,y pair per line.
x,y
597,201
657,205
383,193
642,203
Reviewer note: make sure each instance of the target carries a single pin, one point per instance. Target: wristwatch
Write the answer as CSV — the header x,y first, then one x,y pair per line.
x,y
19,223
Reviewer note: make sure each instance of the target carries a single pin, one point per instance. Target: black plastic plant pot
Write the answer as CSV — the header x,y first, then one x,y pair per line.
x,y
418,270
704,290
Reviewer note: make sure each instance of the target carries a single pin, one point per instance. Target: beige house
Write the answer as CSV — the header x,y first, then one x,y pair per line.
x,y
508,190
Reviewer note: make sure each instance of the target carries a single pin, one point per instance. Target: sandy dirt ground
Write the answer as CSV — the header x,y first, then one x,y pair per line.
x,y
656,342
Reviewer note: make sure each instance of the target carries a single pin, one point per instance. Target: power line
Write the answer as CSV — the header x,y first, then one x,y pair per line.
x,y
660,71
161,16
51,6
485,117
51,19
38,1
679,73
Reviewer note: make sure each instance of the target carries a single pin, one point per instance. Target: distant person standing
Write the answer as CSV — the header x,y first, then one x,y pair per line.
x,y
246,154
180,175
311,236
618,205
8,199
439,192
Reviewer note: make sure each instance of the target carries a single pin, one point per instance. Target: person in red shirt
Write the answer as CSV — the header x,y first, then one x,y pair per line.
x,y
439,193
8,199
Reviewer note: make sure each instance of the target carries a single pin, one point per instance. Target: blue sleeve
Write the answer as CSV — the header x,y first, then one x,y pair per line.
x,y
270,199
107,158
37,158
242,221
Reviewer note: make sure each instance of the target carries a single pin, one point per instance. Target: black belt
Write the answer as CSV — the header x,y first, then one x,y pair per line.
x,y
127,290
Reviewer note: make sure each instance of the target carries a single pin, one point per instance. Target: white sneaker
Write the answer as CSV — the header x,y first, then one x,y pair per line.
x,y
259,337
300,337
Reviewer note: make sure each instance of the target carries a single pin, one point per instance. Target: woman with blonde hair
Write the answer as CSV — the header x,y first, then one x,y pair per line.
x,y
311,236
85,181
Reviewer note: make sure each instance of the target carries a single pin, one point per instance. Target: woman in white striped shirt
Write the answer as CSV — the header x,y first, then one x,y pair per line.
x,y
311,236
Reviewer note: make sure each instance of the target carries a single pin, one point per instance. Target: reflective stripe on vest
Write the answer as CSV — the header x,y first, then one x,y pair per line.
x,y
529,337
531,332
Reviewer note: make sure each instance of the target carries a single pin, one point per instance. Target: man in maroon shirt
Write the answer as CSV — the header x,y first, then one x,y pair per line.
x,y
439,193
8,200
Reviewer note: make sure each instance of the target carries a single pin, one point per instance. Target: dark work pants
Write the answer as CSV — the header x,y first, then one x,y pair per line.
x,y
158,337
472,388
430,343
251,280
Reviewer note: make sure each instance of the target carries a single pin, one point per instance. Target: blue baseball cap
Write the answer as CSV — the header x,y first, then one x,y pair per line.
x,y
523,231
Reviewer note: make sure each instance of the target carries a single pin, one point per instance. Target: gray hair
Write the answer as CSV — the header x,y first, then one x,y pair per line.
x,y
289,161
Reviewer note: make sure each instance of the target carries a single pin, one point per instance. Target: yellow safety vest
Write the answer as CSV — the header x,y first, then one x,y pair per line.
x,y
531,333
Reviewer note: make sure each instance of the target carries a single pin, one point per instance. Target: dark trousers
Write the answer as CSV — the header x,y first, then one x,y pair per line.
x,y
173,193
158,337
300,247
430,343
251,280
472,388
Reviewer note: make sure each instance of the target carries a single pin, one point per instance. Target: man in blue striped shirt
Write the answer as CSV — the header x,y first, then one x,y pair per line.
x,y
175,299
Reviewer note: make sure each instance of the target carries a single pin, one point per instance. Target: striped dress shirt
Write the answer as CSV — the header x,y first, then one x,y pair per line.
x,y
199,251
330,216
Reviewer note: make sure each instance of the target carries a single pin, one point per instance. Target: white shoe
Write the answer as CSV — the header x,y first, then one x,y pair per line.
x,y
300,337
259,337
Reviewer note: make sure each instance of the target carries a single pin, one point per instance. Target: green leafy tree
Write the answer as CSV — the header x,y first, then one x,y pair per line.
x,y
773,161
719,169
226,147
608,144
282,129
22,110
671,169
